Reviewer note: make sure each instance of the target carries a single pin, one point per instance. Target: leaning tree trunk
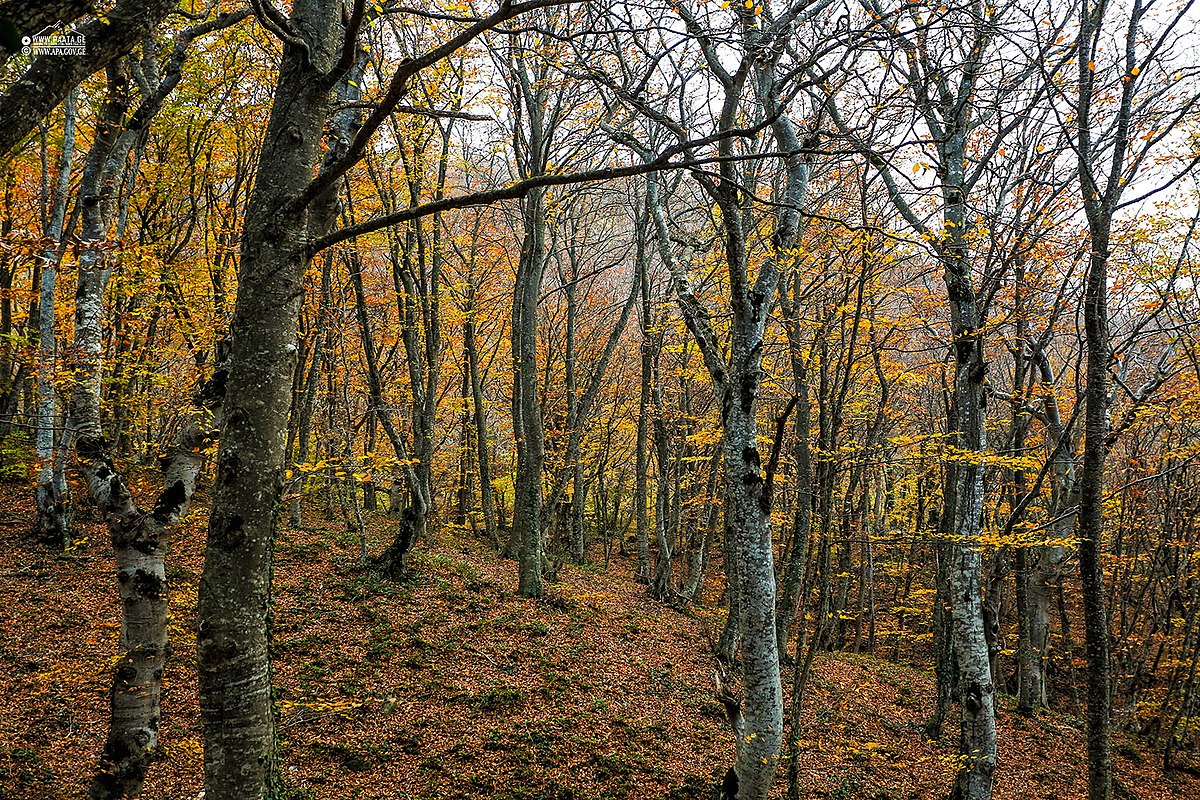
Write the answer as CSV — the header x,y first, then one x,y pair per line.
x,y
140,538
393,561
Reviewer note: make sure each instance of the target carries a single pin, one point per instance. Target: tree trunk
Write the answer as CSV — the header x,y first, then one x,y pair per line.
x,y
761,729
976,692
641,491
1091,523
322,345
660,581
53,502
235,590
793,571
479,416
140,539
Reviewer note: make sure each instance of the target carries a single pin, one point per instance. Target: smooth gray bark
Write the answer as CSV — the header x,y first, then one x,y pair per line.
x,y
140,538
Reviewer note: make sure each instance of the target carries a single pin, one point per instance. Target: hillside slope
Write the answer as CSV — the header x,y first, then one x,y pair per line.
x,y
449,686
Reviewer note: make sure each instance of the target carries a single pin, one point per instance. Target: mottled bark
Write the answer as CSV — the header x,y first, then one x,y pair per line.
x,y
235,590
140,539
736,380
975,689
51,496
949,116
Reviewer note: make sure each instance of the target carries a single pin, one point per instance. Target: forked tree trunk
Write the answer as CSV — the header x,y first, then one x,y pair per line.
x,y
139,538
976,691
757,721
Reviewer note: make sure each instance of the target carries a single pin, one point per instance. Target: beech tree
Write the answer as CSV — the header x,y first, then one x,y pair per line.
x,y
109,36
1102,189
939,61
139,538
54,522
759,86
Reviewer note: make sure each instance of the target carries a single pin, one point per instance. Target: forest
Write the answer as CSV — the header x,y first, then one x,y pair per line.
x,y
581,399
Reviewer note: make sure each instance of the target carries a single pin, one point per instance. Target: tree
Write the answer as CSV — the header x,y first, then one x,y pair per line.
x,y
939,60
51,493
139,538
758,87
1102,188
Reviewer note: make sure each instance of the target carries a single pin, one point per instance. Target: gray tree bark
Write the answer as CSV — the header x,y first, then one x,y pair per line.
x,y
479,419
140,539
757,719
538,111
51,495
235,590
320,46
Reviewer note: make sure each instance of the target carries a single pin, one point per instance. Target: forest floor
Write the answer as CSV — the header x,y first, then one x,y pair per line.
x,y
448,685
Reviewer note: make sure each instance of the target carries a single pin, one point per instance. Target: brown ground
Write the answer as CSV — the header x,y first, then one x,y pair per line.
x,y
449,686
